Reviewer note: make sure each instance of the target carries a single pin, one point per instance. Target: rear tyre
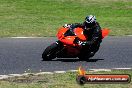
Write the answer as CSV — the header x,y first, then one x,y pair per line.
x,y
50,52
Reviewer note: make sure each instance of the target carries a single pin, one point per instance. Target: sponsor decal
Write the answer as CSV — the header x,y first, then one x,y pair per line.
x,y
83,78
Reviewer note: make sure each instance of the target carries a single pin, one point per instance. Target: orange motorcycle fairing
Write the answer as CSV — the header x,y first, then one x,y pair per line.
x,y
68,40
105,32
79,33
61,32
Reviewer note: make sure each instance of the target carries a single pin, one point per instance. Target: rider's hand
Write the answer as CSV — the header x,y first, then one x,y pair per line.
x,y
77,41
82,43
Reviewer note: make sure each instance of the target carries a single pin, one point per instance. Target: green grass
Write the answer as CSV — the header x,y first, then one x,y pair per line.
x,y
44,17
66,80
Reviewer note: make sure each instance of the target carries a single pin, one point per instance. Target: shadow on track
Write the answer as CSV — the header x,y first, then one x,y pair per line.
x,y
75,60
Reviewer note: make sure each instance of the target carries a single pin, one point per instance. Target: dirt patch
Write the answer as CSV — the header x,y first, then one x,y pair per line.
x,y
29,79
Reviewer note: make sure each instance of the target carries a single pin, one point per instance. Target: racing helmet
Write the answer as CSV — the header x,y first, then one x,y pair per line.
x,y
90,21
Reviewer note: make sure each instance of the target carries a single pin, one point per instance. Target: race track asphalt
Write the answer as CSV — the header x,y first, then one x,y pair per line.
x,y
20,55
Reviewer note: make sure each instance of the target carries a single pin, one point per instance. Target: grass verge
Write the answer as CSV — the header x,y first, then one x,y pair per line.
x,y
43,17
66,80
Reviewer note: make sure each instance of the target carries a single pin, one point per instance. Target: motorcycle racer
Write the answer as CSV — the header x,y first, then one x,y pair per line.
x,y
91,28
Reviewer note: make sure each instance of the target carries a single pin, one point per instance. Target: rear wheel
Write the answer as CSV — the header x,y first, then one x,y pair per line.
x,y
50,52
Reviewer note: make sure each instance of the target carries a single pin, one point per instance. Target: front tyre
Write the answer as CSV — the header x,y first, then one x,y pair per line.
x,y
50,52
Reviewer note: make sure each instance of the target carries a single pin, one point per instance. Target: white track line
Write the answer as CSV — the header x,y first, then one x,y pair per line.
x,y
59,71
41,73
95,70
122,68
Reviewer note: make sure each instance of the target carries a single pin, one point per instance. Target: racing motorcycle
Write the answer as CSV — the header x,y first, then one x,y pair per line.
x,y
66,46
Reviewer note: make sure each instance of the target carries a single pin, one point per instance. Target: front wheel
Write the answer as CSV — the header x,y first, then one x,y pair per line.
x,y
50,52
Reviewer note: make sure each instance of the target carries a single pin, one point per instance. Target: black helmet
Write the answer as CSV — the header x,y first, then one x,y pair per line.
x,y
90,21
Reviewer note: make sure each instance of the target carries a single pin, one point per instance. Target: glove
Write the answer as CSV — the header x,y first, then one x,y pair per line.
x,y
81,43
